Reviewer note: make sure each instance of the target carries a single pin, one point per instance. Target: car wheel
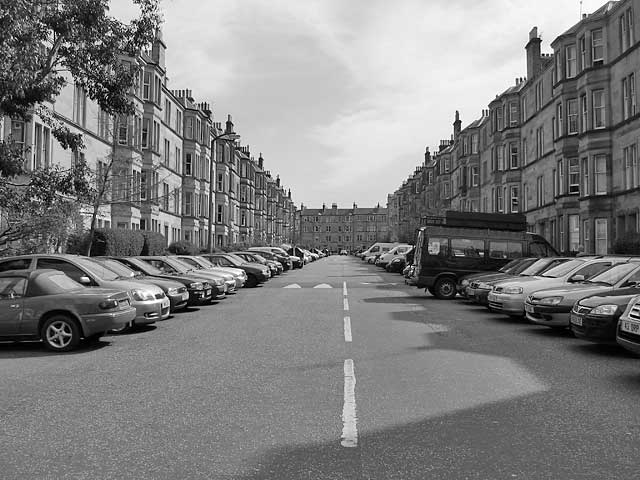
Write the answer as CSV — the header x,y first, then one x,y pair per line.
x,y
251,282
123,329
60,333
432,291
445,288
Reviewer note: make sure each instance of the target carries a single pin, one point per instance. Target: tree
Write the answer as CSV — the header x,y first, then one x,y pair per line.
x,y
43,42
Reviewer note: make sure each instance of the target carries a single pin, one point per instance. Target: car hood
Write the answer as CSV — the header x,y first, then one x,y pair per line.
x,y
620,297
573,291
130,285
491,277
163,283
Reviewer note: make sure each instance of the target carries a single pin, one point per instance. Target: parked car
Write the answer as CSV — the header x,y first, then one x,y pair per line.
x,y
478,290
628,331
376,249
150,302
254,257
552,307
172,265
200,290
466,280
49,306
386,257
176,292
297,256
595,318
256,273
508,296
344,252
276,254
201,263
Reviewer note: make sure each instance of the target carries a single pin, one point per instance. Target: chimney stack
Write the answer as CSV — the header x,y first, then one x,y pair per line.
x,y
534,62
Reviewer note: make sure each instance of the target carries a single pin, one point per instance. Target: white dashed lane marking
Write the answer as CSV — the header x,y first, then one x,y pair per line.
x,y
349,417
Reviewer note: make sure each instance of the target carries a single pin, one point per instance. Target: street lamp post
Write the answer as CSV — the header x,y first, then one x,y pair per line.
x,y
225,136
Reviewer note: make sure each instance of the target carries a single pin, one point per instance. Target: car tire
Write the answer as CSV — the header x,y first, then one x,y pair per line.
x,y
124,329
252,281
60,333
445,288
432,291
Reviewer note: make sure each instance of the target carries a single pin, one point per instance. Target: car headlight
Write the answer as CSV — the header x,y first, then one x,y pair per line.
x,y
218,282
512,290
142,295
463,283
196,286
550,300
605,310
265,271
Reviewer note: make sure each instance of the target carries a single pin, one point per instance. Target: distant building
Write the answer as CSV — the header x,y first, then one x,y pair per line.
x,y
341,228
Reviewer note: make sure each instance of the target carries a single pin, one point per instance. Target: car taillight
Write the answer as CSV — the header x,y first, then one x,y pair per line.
x,y
108,304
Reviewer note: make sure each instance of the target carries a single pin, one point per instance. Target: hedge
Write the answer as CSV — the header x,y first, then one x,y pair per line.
x,y
117,241
628,244
154,243
182,247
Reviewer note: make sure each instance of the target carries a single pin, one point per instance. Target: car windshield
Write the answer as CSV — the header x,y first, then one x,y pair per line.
x,y
259,258
179,265
117,267
522,266
145,267
236,259
204,262
536,267
510,266
191,262
98,270
562,269
614,274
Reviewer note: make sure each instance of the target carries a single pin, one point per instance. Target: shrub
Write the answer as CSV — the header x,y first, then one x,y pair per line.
x,y
182,247
117,241
154,243
628,244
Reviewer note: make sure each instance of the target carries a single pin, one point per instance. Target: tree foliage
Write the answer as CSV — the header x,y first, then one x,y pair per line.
x,y
43,42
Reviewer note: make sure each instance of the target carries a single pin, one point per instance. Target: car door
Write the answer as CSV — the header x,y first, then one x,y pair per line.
x,y
11,304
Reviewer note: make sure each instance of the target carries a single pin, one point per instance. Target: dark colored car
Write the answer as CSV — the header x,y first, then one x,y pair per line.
x,y
466,280
47,305
199,290
256,273
175,291
628,331
255,257
172,265
596,318
266,252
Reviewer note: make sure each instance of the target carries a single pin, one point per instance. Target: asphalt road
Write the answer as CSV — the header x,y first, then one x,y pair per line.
x,y
267,385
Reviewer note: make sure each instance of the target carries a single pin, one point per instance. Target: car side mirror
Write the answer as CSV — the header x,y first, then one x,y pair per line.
x,y
578,278
84,280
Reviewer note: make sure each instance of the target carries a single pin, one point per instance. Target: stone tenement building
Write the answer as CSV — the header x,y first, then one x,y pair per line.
x,y
560,146
341,228
161,161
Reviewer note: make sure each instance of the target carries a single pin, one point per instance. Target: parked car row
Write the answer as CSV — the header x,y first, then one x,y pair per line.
x,y
597,297
62,299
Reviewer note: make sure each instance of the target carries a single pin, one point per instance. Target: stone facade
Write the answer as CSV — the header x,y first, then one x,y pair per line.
x,y
559,146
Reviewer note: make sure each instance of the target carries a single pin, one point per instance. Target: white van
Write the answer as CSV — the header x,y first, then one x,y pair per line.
x,y
370,254
396,251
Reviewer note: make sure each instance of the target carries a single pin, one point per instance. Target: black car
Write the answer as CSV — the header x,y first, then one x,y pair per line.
x,y
199,291
596,318
256,273
256,257
175,291
270,253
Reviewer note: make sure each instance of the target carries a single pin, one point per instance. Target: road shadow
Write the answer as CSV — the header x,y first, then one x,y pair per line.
x,y
37,349
601,349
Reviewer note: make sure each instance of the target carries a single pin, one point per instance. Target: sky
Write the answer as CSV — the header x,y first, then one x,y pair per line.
x,y
341,97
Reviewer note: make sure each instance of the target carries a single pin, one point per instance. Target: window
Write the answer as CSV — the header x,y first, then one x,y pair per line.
x,y
514,199
539,96
540,191
524,108
626,29
67,268
597,47
79,105
179,121
500,157
243,218
598,109
499,200
188,129
123,130
559,116
585,113
220,213
167,150
146,85
188,203
505,250
104,125
220,183
584,163
437,246
560,177
583,52
525,157
156,136
474,143
513,114
601,227
574,176
513,155
539,142
600,174
628,96
570,61
464,247
145,133
499,119
474,176
446,189
178,154
165,196
157,90
143,185
631,174
574,233
572,116
167,111
188,165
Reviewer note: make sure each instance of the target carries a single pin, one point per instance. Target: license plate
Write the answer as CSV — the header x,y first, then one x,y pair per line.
x,y
165,302
185,296
528,308
576,320
492,297
630,327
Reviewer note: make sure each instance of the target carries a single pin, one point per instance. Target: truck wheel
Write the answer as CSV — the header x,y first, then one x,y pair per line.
x,y
445,288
